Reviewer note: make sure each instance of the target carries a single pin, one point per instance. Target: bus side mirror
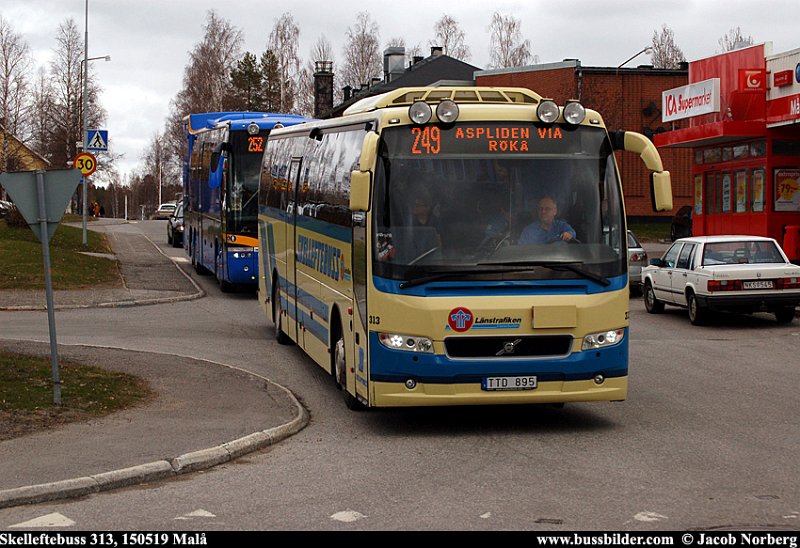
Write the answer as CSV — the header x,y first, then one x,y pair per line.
x,y
360,187
661,191
369,151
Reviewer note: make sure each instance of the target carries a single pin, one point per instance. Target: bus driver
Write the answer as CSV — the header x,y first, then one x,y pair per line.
x,y
548,228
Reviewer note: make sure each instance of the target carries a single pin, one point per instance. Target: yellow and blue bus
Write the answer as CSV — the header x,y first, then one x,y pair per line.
x,y
396,248
220,189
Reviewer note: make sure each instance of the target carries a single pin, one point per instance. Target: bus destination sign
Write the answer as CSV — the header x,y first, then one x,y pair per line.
x,y
489,138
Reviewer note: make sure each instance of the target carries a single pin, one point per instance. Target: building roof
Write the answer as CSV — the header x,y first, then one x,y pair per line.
x,y
32,158
435,69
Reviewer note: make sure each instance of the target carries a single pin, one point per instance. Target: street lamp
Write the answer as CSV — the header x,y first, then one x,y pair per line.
x,y
85,138
648,50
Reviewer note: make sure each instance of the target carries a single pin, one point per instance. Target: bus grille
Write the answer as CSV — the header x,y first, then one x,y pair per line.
x,y
508,346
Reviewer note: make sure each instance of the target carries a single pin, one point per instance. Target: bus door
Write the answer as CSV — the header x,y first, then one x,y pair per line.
x,y
360,331
291,248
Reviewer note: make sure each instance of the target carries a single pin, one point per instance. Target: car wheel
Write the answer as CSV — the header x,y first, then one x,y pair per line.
x,y
698,314
170,238
651,303
785,314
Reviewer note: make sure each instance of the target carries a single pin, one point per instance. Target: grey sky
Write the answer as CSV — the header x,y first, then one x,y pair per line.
x,y
149,40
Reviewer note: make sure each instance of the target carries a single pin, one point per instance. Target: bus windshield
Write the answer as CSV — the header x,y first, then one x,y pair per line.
x,y
241,197
497,201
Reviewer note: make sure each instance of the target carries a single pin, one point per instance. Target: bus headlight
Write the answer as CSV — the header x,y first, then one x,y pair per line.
x,y
574,113
420,112
603,339
447,111
547,111
409,343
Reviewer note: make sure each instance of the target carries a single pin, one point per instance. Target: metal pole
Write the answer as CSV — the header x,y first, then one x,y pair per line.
x,y
48,281
85,119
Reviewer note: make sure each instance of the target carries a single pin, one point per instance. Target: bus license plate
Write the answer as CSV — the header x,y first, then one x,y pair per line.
x,y
509,383
761,284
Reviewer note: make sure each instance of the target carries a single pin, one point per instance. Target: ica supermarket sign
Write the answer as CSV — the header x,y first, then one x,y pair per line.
x,y
692,100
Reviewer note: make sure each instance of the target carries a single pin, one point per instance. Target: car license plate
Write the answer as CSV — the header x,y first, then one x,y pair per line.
x,y
760,284
509,383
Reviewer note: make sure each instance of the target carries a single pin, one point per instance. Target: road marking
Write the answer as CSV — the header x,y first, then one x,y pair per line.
x,y
649,516
348,516
196,514
50,520
180,259
487,515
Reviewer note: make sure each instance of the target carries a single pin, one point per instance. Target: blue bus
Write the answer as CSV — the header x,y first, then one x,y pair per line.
x,y
220,189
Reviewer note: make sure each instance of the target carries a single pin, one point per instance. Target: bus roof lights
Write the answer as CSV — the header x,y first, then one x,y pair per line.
x,y
547,111
574,113
447,111
420,113
253,128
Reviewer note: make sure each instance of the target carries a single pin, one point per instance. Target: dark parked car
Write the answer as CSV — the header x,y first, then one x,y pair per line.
x,y
175,227
681,223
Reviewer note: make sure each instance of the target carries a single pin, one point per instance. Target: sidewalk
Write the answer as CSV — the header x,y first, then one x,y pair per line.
x,y
203,414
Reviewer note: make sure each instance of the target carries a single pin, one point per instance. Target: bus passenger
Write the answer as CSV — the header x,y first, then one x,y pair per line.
x,y
426,230
548,228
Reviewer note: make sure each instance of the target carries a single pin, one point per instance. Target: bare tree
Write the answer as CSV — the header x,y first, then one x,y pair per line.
x,y
14,63
451,38
734,39
666,53
43,99
206,79
506,47
362,58
283,41
65,74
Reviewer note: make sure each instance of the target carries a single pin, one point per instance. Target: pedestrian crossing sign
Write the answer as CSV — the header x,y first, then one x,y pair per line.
x,y
97,139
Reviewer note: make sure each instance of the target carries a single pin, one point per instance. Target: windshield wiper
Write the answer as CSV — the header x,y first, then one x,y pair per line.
x,y
572,266
503,268
450,274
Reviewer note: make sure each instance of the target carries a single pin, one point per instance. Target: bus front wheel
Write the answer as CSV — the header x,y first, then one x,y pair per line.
x,y
277,315
340,373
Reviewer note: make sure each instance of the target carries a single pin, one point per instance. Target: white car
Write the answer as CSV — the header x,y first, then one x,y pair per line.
x,y
164,211
726,273
637,259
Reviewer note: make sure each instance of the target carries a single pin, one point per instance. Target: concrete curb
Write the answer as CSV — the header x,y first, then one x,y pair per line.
x,y
158,470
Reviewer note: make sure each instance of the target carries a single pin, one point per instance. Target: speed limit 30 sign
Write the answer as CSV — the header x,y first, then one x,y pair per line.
x,y
85,163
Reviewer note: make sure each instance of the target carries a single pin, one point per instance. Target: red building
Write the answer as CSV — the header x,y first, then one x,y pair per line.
x,y
627,99
743,114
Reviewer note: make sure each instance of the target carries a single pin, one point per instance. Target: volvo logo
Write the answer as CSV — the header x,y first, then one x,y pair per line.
x,y
509,347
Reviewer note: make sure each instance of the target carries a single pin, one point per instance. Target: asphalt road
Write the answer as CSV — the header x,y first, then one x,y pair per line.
x,y
708,437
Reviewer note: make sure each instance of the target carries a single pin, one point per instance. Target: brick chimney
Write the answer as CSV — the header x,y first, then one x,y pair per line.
x,y
323,87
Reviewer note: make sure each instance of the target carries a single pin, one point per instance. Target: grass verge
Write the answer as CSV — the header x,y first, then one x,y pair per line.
x,y
22,266
650,232
26,393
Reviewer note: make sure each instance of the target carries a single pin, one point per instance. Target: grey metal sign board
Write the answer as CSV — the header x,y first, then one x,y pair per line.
x,y
59,186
